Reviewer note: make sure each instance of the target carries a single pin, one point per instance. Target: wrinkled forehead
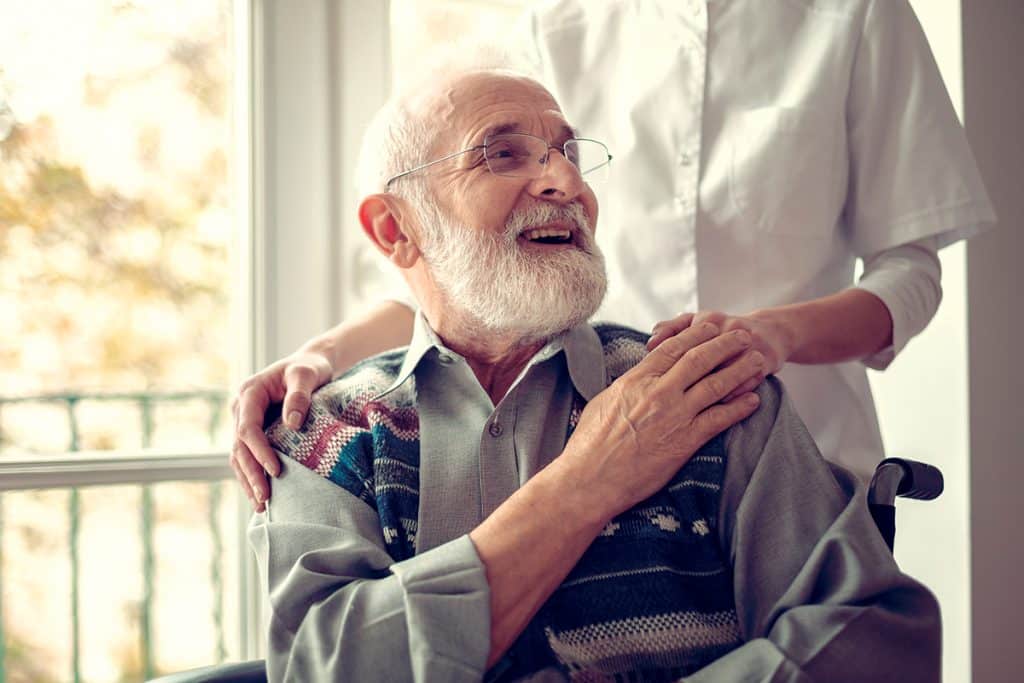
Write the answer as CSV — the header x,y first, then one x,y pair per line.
x,y
469,106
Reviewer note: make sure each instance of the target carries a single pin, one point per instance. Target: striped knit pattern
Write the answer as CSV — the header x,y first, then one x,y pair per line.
x,y
369,448
650,600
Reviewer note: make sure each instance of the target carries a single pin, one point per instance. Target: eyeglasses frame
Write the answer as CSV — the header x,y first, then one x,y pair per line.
x,y
487,141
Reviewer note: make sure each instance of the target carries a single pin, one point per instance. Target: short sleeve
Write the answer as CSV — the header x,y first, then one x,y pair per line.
x,y
912,174
342,609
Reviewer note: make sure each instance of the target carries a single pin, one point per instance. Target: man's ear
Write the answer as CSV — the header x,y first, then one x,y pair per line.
x,y
386,220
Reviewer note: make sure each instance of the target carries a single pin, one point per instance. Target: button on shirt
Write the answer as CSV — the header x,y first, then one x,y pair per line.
x,y
760,148
482,451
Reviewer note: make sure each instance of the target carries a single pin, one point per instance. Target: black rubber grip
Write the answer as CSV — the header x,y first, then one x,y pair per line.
x,y
920,480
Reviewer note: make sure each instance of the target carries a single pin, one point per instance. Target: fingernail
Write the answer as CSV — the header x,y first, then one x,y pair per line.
x,y
753,399
743,337
259,494
294,420
273,470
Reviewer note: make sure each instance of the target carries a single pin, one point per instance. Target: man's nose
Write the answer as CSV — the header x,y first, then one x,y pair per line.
x,y
561,180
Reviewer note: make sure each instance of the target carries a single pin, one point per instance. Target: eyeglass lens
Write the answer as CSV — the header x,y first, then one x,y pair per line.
x,y
516,154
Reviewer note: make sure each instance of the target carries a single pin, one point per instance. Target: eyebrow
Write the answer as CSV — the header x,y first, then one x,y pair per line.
x,y
566,131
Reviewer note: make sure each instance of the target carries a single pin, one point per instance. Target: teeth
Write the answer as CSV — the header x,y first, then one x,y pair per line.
x,y
537,233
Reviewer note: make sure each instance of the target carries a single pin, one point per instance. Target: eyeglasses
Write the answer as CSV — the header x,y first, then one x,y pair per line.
x,y
521,155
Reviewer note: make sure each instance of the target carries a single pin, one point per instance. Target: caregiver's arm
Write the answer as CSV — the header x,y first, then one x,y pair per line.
x,y
894,300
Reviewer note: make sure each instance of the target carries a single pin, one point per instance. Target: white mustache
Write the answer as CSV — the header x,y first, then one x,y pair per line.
x,y
539,214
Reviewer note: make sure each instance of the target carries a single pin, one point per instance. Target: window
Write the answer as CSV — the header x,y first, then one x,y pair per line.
x,y
119,300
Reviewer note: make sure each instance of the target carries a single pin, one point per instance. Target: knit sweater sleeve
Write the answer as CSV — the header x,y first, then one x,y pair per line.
x,y
341,609
818,594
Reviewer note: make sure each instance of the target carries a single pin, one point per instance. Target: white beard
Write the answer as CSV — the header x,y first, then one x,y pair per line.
x,y
497,285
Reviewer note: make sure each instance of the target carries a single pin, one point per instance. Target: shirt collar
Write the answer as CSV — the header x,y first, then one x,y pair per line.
x,y
585,358
423,340
583,352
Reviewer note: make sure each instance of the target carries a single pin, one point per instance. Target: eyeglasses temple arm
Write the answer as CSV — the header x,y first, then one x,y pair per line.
x,y
387,185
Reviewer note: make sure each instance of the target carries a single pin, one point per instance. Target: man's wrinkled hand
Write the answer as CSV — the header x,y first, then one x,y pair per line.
x,y
635,435
768,335
291,380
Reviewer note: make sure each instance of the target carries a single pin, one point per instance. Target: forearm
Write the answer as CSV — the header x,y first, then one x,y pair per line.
x,y
849,325
425,621
894,300
530,544
343,609
386,326
341,605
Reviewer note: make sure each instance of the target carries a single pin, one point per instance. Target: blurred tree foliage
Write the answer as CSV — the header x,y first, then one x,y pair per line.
x,y
119,288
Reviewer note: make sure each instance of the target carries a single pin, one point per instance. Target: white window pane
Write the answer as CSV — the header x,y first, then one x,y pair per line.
x,y
116,223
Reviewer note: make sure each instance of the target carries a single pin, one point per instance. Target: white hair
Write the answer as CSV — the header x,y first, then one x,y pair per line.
x,y
399,137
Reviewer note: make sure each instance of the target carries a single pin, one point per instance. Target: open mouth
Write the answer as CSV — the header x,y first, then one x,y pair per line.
x,y
550,235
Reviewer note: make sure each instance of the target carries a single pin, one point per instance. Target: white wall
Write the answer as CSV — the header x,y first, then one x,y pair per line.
x,y
923,407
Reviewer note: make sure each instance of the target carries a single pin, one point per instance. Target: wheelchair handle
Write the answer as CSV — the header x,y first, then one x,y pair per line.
x,y
907,479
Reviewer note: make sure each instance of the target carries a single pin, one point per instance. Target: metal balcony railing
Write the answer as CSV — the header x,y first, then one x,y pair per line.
x,y
81,468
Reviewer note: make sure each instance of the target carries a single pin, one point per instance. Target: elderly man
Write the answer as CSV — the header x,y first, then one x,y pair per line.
x,y
520,495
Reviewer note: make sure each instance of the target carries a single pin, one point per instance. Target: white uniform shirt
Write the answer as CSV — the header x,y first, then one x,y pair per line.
x,y
760,147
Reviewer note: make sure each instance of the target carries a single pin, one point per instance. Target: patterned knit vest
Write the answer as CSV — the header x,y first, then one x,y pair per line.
x,y
650,600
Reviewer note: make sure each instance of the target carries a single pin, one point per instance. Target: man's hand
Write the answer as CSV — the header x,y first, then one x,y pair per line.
x,y
639,431
768,332
292,380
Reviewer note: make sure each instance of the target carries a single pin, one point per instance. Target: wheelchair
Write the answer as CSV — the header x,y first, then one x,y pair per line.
x,y
893,478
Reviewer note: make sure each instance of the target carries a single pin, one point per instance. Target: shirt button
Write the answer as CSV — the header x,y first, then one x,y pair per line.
x,y
685,159
495,429
445,359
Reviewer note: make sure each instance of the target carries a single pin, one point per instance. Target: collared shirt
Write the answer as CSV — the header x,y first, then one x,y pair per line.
x,y
760,148
482,451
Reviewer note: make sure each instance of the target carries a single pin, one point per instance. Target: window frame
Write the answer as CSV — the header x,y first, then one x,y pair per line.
x,y
319,70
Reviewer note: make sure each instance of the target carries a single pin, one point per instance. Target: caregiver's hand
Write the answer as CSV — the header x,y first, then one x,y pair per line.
x,y
292,379
770,334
